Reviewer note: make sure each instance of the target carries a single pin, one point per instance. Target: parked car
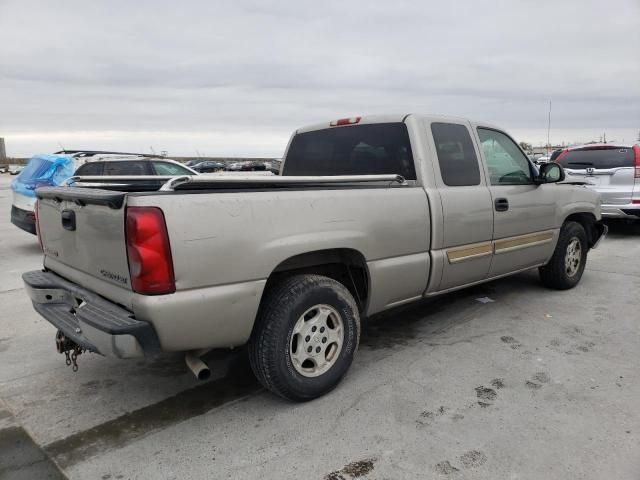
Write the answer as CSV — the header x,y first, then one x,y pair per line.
x,y
134,165
4,168
542,159
15,169
41,170
612,170
369,213
54,169
275,166
235,167
209,166
255,166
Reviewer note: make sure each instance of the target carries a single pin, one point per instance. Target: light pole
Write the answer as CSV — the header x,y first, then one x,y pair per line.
x,y
549,128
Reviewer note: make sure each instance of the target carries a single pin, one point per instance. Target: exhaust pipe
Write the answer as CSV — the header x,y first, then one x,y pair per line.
x,y
197,366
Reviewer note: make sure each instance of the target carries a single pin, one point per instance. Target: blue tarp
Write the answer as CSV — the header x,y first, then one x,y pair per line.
x,y
43,170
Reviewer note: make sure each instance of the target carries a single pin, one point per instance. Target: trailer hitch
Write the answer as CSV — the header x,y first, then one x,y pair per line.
x,y
70,349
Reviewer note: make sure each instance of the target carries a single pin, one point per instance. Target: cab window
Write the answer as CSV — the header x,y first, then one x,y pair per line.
x,y
506,163
456,155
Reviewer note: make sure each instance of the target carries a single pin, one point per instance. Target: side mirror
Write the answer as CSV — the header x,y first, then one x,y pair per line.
x,y
550,172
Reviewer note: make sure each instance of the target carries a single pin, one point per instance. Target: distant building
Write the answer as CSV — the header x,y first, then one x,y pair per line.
x,y
3,151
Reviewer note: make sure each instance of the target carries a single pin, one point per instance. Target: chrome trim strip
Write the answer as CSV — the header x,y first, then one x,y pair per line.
x,y
510,244
469,252
504,245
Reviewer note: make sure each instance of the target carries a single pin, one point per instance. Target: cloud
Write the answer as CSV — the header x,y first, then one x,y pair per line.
x,y
246,71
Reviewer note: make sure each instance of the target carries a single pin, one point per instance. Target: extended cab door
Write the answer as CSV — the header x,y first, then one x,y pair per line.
x,y
524,229
467,218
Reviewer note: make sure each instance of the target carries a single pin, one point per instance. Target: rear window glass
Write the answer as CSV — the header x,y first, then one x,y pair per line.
x,y
376,149
598,158
125,168
456,155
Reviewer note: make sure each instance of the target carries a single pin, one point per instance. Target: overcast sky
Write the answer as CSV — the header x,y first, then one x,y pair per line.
x,y
236,78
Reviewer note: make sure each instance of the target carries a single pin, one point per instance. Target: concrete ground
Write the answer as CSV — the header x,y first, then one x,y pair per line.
x,y
506,380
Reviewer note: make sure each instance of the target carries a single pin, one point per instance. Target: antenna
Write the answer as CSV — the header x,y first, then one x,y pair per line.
x,y
152,150
61,146
549,127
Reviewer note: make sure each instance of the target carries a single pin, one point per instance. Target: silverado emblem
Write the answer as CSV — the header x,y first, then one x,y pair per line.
x,y
114,276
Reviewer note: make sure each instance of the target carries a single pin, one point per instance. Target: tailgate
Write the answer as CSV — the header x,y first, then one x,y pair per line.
x,y
84,230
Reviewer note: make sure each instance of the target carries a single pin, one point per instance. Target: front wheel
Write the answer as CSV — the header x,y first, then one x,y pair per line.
x,y
305,337
566,266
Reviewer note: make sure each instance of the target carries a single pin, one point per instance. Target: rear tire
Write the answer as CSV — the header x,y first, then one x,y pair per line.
x,y
569,259
305,337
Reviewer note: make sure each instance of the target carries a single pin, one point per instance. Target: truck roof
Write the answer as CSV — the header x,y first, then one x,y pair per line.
x,y
394,118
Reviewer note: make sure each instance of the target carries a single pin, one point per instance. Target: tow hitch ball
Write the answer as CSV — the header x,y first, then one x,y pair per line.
x,y
70,349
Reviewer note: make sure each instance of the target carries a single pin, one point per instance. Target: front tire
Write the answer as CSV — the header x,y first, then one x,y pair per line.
x,y
305,337
569,259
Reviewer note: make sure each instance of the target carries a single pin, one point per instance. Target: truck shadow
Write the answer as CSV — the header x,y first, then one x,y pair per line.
x,y
237,383
418,321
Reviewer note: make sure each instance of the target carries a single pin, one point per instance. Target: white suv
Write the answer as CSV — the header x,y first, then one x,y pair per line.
x,y
612,170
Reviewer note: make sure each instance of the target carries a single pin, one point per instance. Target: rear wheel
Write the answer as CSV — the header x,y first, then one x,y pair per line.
x,y
305,337
569,259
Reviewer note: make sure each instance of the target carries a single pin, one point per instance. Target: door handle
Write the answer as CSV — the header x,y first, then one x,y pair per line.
x,y
501,204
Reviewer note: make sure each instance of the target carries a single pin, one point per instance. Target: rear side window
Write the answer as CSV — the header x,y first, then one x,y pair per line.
x,y
376,149
598,158
125,168
93,168
165,168
456,155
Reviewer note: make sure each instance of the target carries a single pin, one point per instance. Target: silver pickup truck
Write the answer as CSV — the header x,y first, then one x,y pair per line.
x,y
368,214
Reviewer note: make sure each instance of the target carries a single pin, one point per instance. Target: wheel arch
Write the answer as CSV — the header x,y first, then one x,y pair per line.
x,y
589,223
345,265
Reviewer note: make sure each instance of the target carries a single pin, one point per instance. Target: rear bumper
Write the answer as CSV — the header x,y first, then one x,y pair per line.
x,y
23,219
89,320
630,211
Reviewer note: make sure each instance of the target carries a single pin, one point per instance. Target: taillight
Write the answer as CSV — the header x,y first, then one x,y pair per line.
x,y
562,154
36,220
148,252
636,154
345,121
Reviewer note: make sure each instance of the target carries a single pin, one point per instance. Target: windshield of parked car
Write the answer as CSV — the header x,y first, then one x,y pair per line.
x,y
381,148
